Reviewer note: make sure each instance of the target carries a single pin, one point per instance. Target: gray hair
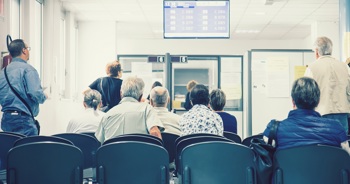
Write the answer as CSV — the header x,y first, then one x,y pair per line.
x,y
324,46
159,96
92,98
305,93
132,87
217,100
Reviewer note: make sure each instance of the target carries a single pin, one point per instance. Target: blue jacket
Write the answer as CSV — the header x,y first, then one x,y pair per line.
x,y
25,80
306,127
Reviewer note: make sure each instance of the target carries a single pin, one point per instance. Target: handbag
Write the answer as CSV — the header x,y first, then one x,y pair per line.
x,y
106,107
264,152
36,122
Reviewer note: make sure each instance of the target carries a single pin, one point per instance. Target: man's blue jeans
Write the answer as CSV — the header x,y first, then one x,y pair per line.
x,y
22,124
341,117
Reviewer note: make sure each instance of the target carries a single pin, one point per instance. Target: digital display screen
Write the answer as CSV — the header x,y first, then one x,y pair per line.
x,y
196,19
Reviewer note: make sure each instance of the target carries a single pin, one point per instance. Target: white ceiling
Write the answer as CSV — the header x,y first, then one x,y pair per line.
x,y
250,19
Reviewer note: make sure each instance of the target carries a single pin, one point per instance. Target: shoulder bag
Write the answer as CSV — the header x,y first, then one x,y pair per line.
x,y
36,122
264,155
106,97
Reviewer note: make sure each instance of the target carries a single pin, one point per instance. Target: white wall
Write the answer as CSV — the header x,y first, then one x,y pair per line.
x,y
99,43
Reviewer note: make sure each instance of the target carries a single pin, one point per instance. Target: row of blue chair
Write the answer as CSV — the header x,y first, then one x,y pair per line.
x,y
217,161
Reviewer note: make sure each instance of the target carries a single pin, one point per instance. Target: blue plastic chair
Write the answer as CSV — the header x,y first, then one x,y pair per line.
x,y
41,138
135,137
312,164
45,162
232,136
217,162
132,163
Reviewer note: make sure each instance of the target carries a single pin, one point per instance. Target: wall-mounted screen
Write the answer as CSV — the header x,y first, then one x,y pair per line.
x,y
196,19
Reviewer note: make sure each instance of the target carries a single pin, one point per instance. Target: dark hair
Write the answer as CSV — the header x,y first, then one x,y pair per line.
x,y
217,100
15,48
156,83
199,95
305,93
114,68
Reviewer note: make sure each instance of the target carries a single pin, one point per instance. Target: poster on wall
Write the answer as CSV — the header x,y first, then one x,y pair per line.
x,y
1,8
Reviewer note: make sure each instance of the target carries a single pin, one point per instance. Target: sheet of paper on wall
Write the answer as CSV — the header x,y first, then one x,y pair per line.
x,y
299,71
232,92
259,76
143,70
278,77
231,65
346,45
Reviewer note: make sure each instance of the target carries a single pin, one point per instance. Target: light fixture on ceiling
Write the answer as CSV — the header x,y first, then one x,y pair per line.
x,y
270,2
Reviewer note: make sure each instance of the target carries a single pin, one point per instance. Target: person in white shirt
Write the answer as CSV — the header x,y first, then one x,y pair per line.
x,y
159,99
90,118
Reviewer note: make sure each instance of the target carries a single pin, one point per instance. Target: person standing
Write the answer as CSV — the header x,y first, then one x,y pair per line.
x,y
109,86
333,78
25,80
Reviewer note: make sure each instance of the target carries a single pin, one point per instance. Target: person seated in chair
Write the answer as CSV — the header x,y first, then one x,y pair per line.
x,y
89,120
200,118
159,99
304,125
131,115
217,103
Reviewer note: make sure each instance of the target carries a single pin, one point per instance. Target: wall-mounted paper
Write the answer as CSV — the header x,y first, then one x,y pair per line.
x,y
277,77
299,71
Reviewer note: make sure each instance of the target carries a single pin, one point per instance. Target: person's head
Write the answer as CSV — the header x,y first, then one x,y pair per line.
x,y
217,100
305,93
199,95
156,83
159,96
132,87
348,62
190,85
323,46
92,99
114,69
18,48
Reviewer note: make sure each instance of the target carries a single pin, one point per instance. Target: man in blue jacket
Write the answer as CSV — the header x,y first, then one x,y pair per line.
x,y
25,80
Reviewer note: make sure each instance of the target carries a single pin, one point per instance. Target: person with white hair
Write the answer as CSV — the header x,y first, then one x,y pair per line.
x,y
90,118
131,115
333,78
159,99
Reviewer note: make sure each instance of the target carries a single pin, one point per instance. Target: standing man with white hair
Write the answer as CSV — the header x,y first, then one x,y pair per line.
x,y
131,115
333,78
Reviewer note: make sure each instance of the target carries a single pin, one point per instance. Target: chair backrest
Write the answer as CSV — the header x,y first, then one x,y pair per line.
x,y
145,135
313,164
45,162
6,143
246,141
89,133
133,163
169,144
86,143
193,140
233,137
13,133
41,138
195,135
135,137
217,162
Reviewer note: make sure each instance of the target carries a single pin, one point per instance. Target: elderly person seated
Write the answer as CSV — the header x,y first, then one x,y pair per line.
x,y
131,115
217,103
305,126
90,118
200,118
159,100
